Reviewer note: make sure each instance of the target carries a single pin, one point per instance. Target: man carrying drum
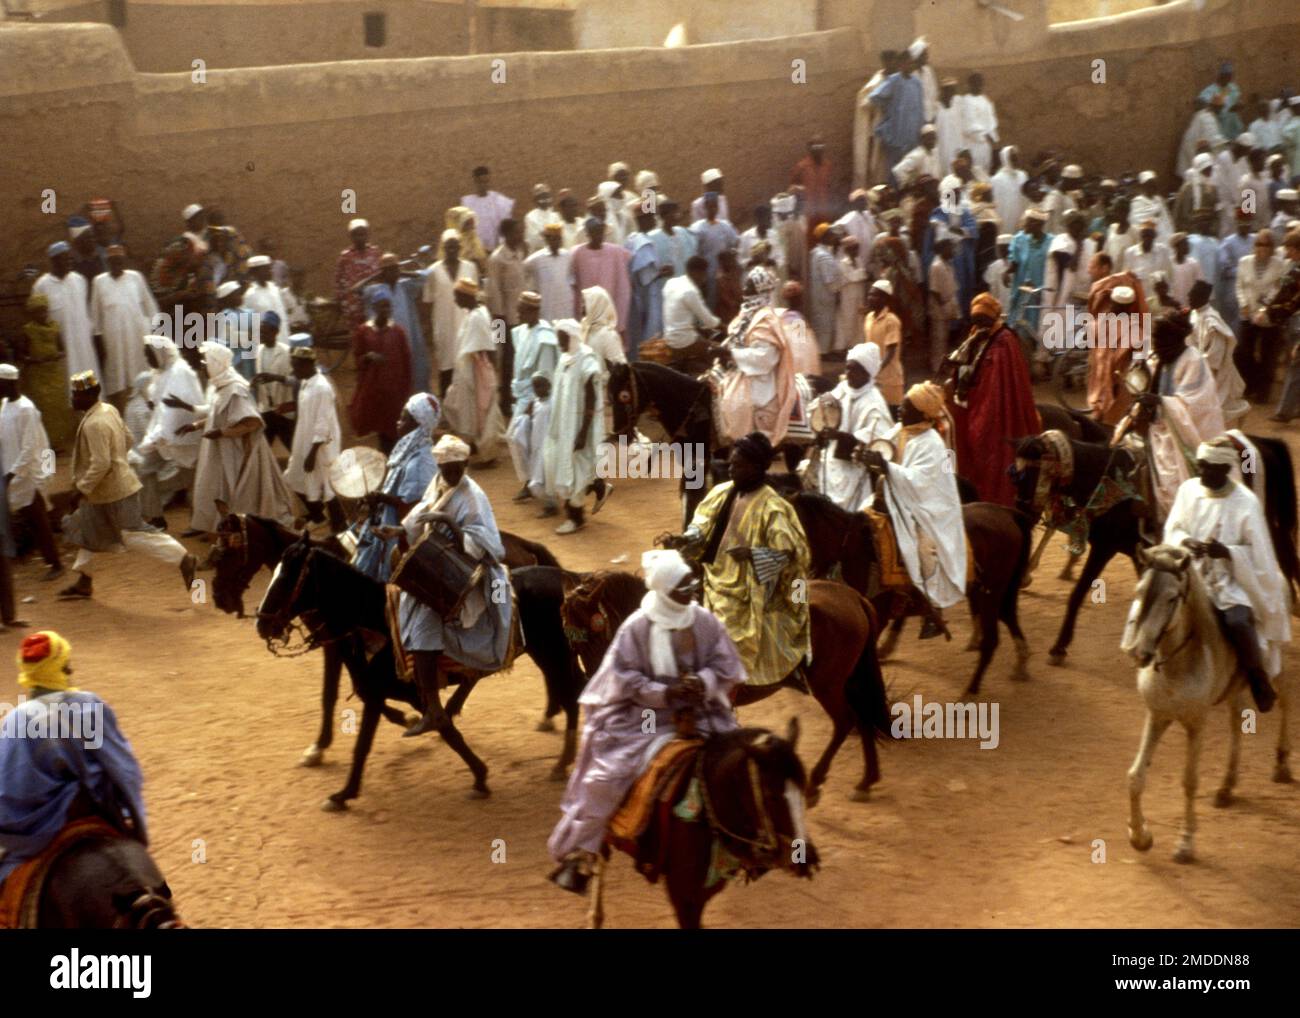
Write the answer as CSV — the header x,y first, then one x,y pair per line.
x,y
455,518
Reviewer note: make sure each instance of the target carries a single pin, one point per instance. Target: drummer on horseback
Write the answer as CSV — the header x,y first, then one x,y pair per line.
x,y
1222,524
476,636
671,665
62,756
857,413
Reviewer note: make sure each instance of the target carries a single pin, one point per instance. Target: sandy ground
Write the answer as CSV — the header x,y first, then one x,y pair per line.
x,y
953,836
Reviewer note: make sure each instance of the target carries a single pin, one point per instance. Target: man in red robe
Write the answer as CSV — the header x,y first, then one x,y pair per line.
x,y
1110,350
814,174
991,399
356,265
383,358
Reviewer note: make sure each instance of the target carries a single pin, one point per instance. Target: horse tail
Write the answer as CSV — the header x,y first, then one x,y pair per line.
x,y
543,554
1279,502
865,687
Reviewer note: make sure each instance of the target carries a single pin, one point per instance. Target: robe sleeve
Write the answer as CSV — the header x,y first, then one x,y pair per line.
x,y
720,666
620,678
1178,523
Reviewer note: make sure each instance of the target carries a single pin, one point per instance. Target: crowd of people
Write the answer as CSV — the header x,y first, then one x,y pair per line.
x,y
952,257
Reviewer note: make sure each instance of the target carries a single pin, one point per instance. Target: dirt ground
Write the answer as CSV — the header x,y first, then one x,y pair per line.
x,y
954,836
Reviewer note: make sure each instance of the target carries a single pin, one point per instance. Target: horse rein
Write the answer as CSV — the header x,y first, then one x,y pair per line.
x,y
1185,588
280,647
768,841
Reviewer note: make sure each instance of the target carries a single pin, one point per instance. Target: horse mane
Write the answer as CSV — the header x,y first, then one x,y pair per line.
x,y
661,382
819,506
545,557
622,591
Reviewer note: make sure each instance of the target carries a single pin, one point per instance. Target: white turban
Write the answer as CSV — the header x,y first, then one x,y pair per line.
x,y
646,179
450,233
867,356
1215,451
918,47
1202,162
217,361
450,449
8,372
358,224
884,286
664,569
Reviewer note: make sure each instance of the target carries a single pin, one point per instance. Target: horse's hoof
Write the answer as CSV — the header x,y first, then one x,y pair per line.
x,y
409,719
333,805
1056,658
811,797
860,795
1024,584
546,725
1184,854
311,756
1282,774
1142,842
480,790
1223,798
558,773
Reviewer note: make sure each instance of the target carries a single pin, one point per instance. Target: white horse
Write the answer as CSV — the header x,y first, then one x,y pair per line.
x,y
1185,667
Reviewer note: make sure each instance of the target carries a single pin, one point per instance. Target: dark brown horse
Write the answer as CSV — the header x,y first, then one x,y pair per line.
x,y
844,677
750,783
247,544
998,543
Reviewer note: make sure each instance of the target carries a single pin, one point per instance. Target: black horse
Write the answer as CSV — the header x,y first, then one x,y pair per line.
x,y
247,544
106,883
1118,529
342,606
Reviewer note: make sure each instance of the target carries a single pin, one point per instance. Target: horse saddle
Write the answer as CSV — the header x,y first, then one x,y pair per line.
x,y
893,570
450,671
656,792
20,893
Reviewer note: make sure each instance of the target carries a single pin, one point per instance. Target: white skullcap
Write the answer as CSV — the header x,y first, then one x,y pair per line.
x,y
919,46
929,129
227,288
1202,162
783,204
159,341
191,211
1123,295
258,262
1072,171
1287,194
664,569
569,326
866,355
614,169
952,182
451,233
1005,238
450,449
1146,175
646,179
8,372
1218,451
1246,139
883,285
709,176
358,224
606,188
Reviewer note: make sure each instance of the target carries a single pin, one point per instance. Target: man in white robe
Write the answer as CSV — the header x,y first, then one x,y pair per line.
x,y
121,313
1183,409
577,420
1150,205
1222,524
445,314
1216,342
1008,197
316,442
165,459
262,295
69,307
1204,127
526,438
921,161
548,271
542,215
919,51
536,353
864,417
28,464
920,495
868,153
471,406
980,124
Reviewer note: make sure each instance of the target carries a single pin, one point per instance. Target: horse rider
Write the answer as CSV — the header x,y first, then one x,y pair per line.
x,y
752,548
1222,524
63,758
669,656
919,492
864,416
759,393
477,637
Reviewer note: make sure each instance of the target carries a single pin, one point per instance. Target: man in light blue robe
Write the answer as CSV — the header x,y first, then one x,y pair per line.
x,y
478,636
1028,258
408,289
647,272
411,470
674,244
901,99
713,236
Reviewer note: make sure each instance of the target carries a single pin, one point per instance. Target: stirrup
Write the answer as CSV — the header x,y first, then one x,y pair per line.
x,y
574,873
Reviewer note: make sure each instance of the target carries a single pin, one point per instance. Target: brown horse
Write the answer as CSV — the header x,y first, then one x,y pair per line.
x,y
998,543
844,677
751,812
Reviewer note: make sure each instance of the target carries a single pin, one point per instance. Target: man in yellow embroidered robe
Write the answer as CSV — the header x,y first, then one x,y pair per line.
x,y
753,548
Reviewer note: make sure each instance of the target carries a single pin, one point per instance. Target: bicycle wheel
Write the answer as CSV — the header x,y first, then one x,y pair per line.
x,y
1070,379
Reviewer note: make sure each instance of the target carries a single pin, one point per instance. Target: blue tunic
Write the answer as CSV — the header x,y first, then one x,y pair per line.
x,y
410,472
483,644
903,111
406,313
1031,268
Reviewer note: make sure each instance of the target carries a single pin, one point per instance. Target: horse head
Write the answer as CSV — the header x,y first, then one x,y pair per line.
x,y
282,601
622,398
233,561
756,792
594,607
1160,594
1026,471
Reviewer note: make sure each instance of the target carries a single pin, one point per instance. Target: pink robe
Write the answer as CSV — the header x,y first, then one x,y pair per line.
x,y
606,267
759,394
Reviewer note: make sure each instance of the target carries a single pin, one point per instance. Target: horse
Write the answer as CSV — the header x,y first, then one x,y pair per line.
x,y
1185,667
247,544
844,677
1117,529
340,605
998,543
752,809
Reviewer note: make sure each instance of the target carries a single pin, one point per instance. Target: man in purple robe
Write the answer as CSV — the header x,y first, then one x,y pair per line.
x,y
670,653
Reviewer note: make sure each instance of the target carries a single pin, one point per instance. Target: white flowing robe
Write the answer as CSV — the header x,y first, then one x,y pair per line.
x,y
868,163
923,503
1252,576
472,407
950,127
69,308
1216,342
568,472
526,438
24,451
980,120
177,379
121,310
1190,413
1204,126
261,298
447,314
318,421
865,415
1007,196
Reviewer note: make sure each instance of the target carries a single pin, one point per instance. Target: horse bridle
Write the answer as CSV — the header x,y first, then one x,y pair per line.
x,y
1184,591
768,840
284,620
